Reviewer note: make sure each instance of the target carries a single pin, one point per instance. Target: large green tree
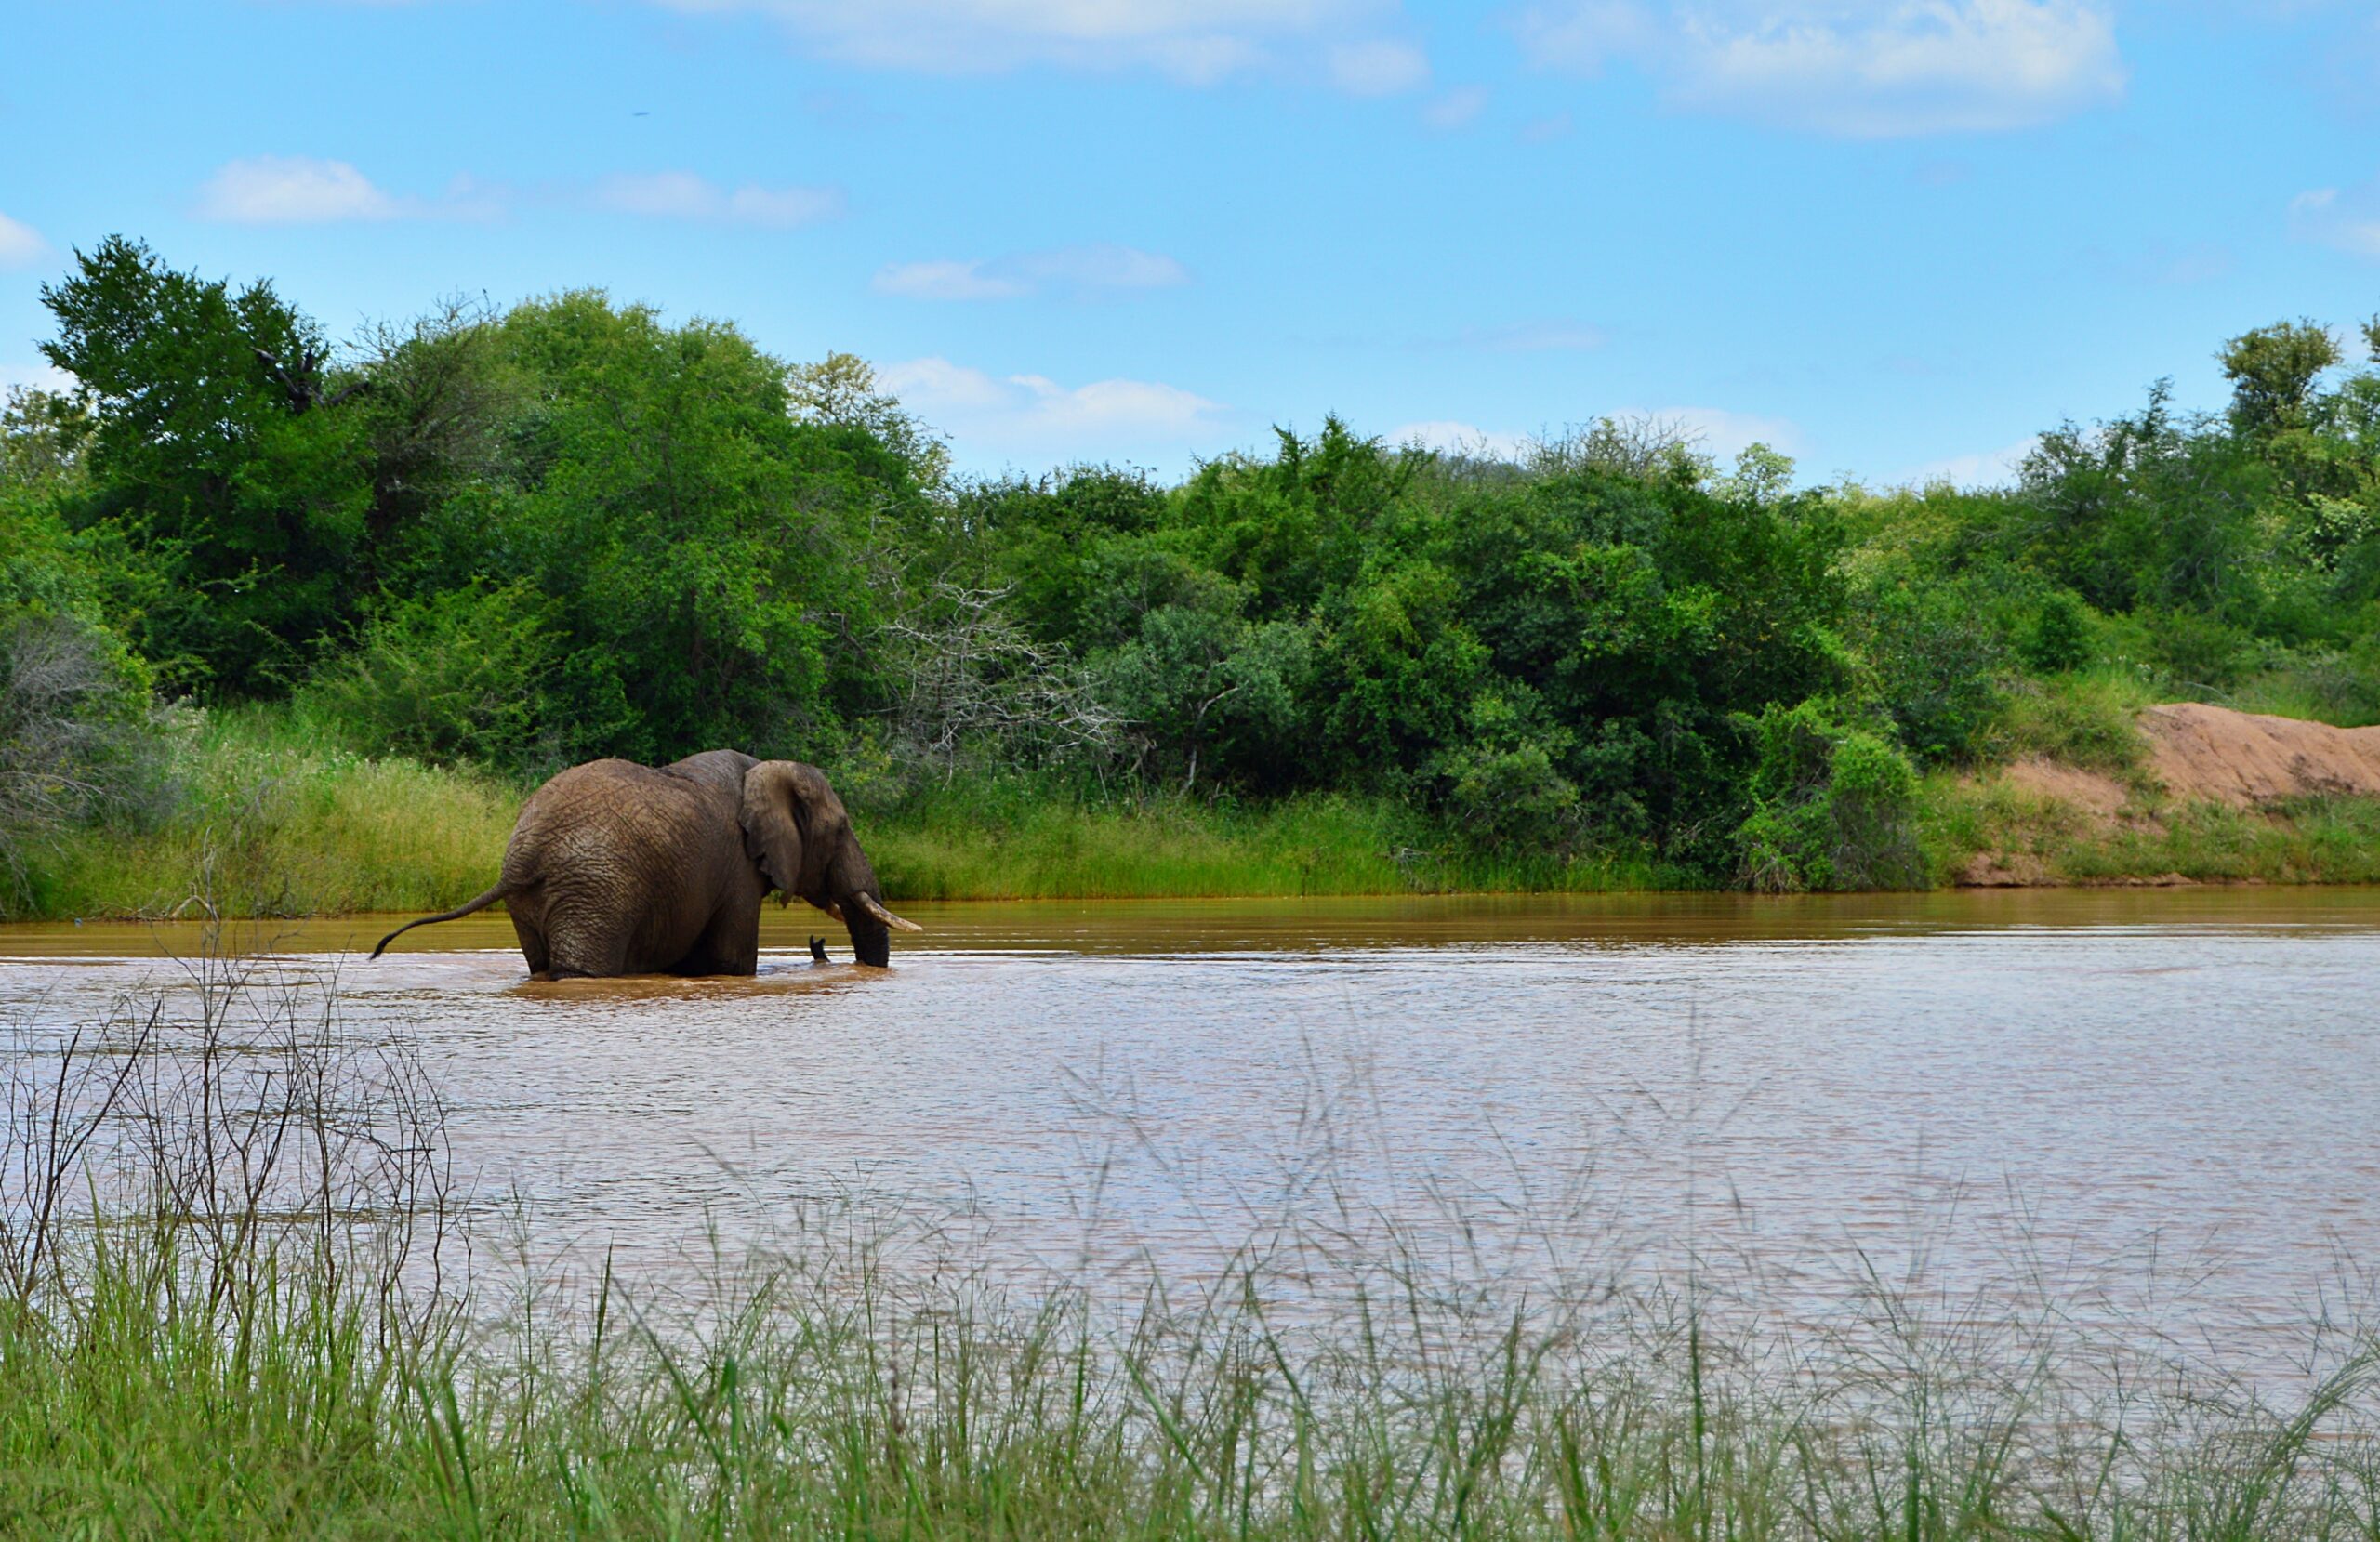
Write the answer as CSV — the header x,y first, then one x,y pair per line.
x,y
223,449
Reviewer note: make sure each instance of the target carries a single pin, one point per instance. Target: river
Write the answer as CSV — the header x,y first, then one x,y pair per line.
x,y
2161,1105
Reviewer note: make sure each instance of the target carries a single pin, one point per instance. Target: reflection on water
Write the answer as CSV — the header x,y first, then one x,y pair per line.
x,y
2087,1079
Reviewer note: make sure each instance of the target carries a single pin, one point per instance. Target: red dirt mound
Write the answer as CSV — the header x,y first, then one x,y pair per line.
x,y
2246,760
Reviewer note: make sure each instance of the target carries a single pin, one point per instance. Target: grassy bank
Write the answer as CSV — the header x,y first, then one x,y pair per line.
x,y
217,1319
1975,821
2024,837
1006,840
269,816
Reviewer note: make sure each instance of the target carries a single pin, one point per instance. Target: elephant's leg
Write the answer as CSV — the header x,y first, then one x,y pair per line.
x,y
728,943
585,939
533,944
731,944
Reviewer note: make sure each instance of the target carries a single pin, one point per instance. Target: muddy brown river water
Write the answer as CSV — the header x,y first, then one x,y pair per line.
x,y
2158,1101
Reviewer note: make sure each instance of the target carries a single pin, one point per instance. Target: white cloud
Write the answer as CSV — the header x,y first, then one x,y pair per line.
x,y
1985,469
2349,221
299,189
945,281
1461,439
1198,42
684,195
1032,412
21,244
1720,433
1457,109
1081,270
1714,431
1863,68
276,189
41,375
292,189
1378,67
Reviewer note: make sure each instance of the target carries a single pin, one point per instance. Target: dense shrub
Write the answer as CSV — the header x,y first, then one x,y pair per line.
x,y
445,677
2058,638
78,738
1936,662
1834,807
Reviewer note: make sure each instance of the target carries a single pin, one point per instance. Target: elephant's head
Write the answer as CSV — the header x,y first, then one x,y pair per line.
x,y
798,832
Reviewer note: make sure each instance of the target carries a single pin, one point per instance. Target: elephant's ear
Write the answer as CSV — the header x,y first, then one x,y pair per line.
x,y
779,797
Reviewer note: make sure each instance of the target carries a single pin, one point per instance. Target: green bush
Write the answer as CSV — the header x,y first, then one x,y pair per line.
x,y
1936,663
1834,807
2058,637
2197,651
445,677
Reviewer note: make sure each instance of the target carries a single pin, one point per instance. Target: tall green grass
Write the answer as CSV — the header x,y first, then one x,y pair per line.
x,y
217,1319
270,817
1020,838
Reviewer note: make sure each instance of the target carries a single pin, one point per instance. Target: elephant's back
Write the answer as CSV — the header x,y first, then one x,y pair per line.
x,y
604,814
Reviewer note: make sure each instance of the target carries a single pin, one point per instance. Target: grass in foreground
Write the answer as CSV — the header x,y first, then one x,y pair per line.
x,y
218,1318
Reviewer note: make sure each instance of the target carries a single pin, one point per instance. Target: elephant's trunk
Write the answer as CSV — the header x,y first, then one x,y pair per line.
x,y
859,904
872,939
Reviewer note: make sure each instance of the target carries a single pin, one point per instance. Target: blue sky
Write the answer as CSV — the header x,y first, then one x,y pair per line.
x,y
1894,237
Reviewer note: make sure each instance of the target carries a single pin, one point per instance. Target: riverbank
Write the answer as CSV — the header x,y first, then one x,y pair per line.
x,y
2192,794
269,818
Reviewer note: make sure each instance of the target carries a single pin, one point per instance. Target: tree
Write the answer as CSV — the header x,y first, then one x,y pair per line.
x,y
841,391
2272,370
702,548
221,448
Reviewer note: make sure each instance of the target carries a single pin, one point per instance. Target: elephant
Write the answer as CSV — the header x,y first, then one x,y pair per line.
x,y
617,868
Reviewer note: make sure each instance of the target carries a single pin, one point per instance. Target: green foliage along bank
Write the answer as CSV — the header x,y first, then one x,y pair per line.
x,y
428,568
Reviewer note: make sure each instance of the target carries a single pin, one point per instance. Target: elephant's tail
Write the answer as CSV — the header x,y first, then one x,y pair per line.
x,y
455,915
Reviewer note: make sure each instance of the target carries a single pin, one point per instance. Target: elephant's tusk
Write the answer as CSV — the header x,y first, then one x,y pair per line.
x,y
899,923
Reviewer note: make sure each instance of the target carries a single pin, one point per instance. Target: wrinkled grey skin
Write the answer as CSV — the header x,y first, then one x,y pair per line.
x,y
617,868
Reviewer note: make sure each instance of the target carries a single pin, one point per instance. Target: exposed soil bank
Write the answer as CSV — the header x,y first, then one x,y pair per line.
x,y
2248,761
2217,795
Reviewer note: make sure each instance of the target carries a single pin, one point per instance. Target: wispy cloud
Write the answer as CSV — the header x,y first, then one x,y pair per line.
x,y
1457,108
1716,432
301,189
39,375
686,195
1982,469
1027,412
2349,221
1195,42
1723,433
1377,67
297,190
1077,270
1862,69
1448,437
293,189
21,244
1547,335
